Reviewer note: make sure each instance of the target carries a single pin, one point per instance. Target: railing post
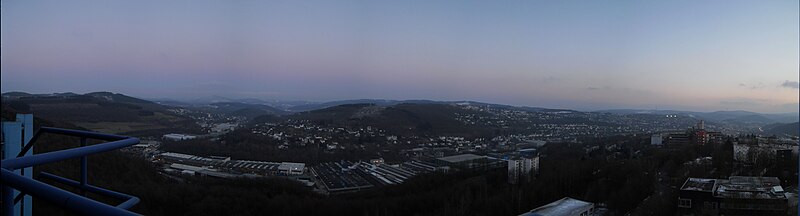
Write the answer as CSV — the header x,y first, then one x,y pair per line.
x,y
8,200
27,135
84,170
12,136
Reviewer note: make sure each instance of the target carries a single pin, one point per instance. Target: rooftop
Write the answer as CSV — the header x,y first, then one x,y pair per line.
x,y
177,155
461,158
292,166
173,135
699,184
745,187
565,206
738,187
186,167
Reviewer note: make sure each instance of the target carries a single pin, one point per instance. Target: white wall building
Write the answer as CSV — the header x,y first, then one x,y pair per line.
x,y
656,139
178,137
288,168
522,169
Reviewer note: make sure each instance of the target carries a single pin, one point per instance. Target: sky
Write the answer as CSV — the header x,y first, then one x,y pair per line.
x,y
585,55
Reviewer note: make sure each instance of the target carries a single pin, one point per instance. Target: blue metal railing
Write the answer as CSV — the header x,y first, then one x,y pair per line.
x,y
78,203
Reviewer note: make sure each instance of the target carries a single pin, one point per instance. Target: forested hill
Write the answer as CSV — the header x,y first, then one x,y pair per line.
x,y
402,119
104,112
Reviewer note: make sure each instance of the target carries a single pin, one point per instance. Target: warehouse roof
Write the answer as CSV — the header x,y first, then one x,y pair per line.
x,y
461,158
565,206
186,167
292,166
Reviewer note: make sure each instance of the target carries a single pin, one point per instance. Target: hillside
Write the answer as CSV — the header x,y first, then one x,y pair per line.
x,y
379,102
732,117
404,118
779,129
319,106
104,112
244,109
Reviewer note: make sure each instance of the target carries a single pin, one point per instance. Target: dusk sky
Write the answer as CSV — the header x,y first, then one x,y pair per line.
x,y
586,55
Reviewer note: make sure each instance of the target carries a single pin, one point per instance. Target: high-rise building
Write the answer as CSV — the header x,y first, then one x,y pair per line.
x,y
522,169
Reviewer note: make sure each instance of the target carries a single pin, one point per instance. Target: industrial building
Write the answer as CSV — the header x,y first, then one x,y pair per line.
x,y
420,166
346,176
262,168
178,137
339,177
385,174
287,168
470,161
564,207
738,195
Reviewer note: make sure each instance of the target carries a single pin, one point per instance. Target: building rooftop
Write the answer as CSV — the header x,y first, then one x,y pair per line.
x,y
745,187
461,158
565,206
177,155
292,166
186,167
699,184
179,136
738,187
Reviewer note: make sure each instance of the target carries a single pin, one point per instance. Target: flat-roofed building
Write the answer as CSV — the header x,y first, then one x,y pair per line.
x,y
288,168
178,137
564,207
470,161
185,167
656,139
694,194
737,195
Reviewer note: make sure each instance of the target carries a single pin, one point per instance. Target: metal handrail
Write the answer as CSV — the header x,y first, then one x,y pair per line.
x,y
60,197
55,156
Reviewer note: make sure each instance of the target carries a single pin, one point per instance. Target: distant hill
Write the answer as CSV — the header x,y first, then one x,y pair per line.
x,y
404,118
317,106
119,98
284,105
735,117
303,106
379,102
245,109
104,112
174,103
750,119
16,95
780,129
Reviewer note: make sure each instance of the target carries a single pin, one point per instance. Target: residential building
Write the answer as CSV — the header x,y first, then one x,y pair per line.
x,y
738,195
